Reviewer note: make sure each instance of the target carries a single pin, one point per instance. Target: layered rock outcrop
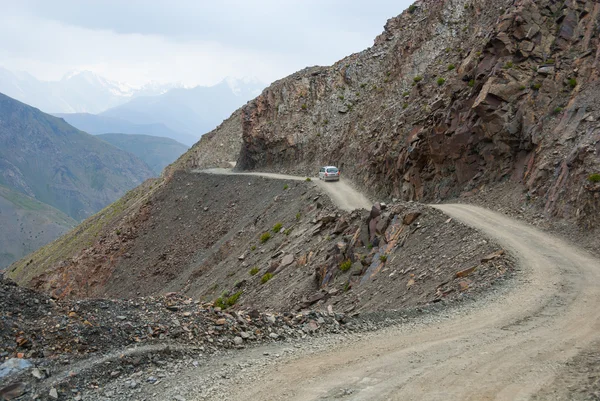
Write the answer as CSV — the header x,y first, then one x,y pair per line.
x,y
455,95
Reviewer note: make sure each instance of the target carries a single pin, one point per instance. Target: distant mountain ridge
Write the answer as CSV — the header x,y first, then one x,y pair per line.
x,y
47,159
77,92
156,152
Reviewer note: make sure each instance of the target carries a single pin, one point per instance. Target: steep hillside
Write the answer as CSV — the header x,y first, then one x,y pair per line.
x,y
47,159
27,224
95,124
156,152
453,97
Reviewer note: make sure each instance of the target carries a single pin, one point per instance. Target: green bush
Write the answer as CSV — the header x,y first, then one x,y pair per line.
x,y
558,110
254,271
277,227
308,179
266,277
418,78
405,105
441,81
298,215
595,177
253,248
341,97
405,93
226,302
286,186
572,82
472,83
550,61
451,67
265,237
412,8
383,258
345,265
536,86
508,65
304,107
522,87
369,246
288,231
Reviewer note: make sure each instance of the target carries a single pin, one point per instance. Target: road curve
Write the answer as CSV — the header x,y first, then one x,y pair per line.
x,y
504,348
341,192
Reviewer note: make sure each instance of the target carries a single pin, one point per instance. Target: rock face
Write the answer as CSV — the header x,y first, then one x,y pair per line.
x,y
454,95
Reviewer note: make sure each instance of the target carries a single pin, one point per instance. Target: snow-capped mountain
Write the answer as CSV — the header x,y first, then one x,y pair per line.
x,y
76,92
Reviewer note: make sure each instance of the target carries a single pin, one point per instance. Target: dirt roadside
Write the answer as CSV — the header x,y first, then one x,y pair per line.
x,y
507,349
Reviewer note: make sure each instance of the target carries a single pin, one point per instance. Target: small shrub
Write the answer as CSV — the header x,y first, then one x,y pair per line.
x,y
298,215
347,286
369,246
277,227
412,8
550,61
345,265
357,93
328,238
266,277
418,79
326,121
595,177
472,83
406,93
383,258
558,110
451,67
254,271
304,107
265,237
341,97
118,232
288,231
572,82
363,85
224,302
536,86
441,81
308,179
478,54
285,186
508,65
522,87
405,105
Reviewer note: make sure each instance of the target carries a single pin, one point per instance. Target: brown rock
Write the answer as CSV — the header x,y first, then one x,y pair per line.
x,y
13,391
492,256
466,272
410,218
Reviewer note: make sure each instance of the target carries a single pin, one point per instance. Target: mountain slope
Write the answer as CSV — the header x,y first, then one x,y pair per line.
x,y
155,151
194,111
45,158
27,224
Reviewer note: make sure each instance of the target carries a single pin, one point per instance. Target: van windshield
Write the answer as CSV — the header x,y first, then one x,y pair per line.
x,y
332,170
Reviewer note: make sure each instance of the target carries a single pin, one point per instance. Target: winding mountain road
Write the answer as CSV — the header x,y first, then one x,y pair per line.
x,y
506,347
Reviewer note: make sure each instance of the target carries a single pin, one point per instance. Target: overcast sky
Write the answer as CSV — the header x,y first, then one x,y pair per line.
x,y
196,42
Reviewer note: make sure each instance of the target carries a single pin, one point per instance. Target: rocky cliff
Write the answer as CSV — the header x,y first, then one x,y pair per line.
x,y
454,96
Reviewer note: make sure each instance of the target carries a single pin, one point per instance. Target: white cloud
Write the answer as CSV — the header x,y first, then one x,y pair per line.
x,y
264,39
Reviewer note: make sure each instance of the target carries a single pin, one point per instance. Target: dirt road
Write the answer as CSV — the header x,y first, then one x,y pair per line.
x,y
503,348
341,192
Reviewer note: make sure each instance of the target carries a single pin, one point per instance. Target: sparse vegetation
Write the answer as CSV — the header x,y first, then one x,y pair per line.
x,y
304,107
522,87
298,215
308,179
508,65
266,277
369,246
118,232
265,237
277,228
412,8
418,79
451,67
472,83
536,86
254,271
595,177
550,61
326,121
253,248
558,110
441,81
405,105
572,82
341,97
346,265
383,258
224,302
286,186
405,93
288,231
347,286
